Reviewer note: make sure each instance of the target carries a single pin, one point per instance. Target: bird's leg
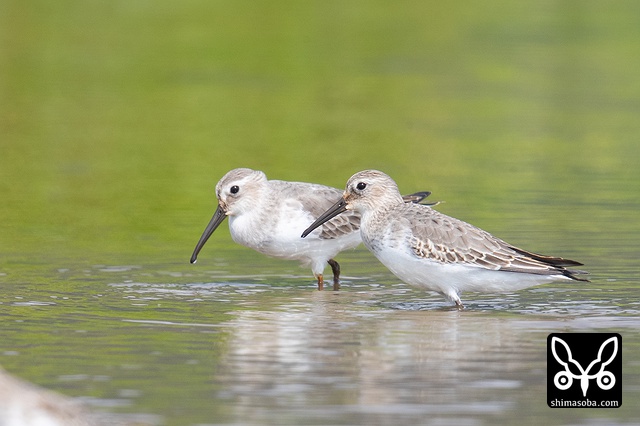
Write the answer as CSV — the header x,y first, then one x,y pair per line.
x,y
320,282
454,297
335,267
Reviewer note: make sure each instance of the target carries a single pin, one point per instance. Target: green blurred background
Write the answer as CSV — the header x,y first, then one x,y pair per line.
x,y
118,117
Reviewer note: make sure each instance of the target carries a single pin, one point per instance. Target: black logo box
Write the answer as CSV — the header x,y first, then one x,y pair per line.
x,y
584,370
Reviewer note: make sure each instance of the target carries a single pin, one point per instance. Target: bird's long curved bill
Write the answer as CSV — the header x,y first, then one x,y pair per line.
x,y
333,211
216,220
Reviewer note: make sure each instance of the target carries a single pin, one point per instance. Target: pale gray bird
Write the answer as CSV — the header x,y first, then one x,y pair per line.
x,y
436,252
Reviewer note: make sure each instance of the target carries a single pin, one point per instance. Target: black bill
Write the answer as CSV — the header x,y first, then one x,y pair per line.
x,y
335,210
216,220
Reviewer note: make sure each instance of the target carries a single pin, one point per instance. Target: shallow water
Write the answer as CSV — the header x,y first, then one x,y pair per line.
x,y
164,348
117,119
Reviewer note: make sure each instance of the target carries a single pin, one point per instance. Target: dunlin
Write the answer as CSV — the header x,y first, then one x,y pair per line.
x,y
437,252
267,216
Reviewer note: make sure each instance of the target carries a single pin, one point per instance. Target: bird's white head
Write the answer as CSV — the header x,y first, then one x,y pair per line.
x,y
370,189
366,191
237,192
239,189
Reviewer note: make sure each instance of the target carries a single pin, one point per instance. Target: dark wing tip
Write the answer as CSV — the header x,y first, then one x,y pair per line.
x,y
549,260
416,197
569,273
559,264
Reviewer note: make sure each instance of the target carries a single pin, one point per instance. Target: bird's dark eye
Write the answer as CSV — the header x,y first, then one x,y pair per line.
x,y
234,189
361,185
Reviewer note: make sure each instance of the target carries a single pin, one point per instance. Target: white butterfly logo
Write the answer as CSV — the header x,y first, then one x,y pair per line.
x,y
564,379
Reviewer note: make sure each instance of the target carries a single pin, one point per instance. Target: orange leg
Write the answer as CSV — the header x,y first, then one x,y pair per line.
x,y
320,282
